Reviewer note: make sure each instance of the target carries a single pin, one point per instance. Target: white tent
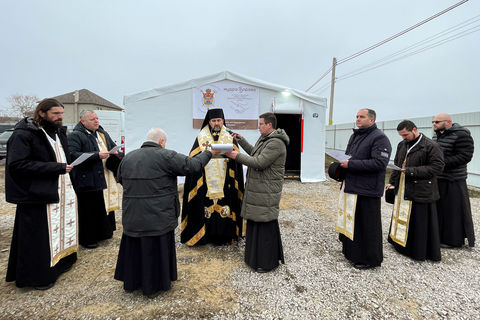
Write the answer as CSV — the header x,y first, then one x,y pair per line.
x,y
171,108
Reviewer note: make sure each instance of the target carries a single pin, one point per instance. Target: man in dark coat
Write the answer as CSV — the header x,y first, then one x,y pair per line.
x,y
147,257
44,241
414,226
370,150
261,204
90,179
454,212
212,198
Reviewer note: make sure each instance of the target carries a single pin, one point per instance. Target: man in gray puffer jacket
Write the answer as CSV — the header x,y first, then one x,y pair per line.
x,y
263,190
147,257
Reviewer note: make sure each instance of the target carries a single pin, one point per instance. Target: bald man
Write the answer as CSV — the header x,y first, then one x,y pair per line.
x,y
454,213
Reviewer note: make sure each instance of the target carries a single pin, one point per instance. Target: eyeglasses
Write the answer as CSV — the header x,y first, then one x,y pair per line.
x,y
438,121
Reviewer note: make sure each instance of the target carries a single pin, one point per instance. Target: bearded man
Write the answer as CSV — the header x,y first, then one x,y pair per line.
x,y
212,198
44,241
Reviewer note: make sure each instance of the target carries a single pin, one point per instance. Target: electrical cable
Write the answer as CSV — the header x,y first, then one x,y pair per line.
x,y
387,40
417,44
431,46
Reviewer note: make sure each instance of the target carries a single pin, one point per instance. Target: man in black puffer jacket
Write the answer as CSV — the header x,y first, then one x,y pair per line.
x,y
454,212
414,228
370,150
147,257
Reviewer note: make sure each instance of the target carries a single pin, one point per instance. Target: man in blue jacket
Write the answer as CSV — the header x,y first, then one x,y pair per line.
x,y
370,150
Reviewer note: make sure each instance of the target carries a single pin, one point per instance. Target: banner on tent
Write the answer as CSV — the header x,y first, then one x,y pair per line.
x,y
239,103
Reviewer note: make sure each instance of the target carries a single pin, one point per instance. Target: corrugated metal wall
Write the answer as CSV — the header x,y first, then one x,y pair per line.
x,y
336,137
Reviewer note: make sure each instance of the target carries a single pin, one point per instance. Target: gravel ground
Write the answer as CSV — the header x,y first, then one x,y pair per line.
x,y
214,283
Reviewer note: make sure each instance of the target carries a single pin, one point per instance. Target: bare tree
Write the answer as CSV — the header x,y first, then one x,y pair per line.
x,y
22,105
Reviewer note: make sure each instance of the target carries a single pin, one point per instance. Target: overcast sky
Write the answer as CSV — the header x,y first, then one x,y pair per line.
x,y
117,48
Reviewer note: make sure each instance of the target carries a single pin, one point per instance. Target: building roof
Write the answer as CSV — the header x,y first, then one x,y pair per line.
x,y
86,97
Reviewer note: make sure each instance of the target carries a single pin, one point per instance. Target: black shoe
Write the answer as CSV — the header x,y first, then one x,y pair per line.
x,y
445,246
42,288
91,245
261,270
361,266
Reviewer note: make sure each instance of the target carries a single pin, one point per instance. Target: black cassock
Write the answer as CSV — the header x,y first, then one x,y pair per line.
x,y
201,224
29,260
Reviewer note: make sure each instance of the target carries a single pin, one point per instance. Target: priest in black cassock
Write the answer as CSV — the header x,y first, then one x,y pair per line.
x,y
44,240
414,226
212,199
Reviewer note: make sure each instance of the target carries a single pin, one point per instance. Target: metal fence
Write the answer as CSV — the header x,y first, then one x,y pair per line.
x,y
337,137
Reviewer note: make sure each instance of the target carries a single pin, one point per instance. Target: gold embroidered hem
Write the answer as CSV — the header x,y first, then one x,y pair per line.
x,y
193,193
196,237
183,224
347,204
400,215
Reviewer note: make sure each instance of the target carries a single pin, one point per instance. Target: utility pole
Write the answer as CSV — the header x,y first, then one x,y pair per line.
x,y
332,90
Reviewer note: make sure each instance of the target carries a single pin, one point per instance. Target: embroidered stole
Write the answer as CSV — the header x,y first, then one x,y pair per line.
x,y
62,216
347,204
401,208
215,174
111,195
216,168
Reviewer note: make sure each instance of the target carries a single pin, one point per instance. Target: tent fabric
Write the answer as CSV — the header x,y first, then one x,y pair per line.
x,y
225,75
170,108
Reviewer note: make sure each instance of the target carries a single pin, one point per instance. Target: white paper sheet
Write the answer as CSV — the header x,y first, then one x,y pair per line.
x,y
338,155
83,157
394,167
115,149
223,147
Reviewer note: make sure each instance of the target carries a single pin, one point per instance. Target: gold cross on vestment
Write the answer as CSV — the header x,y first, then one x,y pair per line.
x,y
206,144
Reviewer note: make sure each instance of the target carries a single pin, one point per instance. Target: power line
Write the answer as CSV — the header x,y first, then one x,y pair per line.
x,y
417,44
400,33
431,46
387,40
322,88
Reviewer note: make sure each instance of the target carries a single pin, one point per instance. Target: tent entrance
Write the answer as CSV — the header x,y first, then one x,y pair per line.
x,y
292,124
